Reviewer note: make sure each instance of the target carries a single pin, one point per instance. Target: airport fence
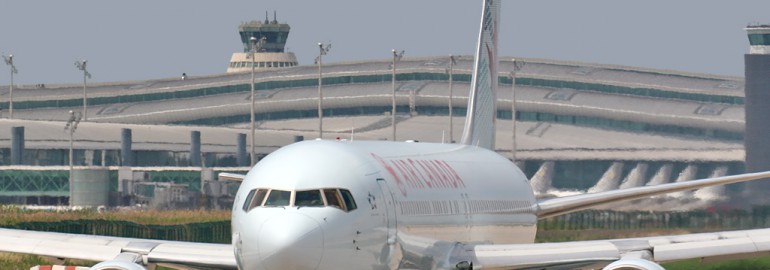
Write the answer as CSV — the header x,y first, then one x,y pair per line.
x,y
207,232
219,231
757,217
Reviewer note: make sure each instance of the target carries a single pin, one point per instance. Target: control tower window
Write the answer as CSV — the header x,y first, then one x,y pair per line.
x,y
308,198
759,39
278,198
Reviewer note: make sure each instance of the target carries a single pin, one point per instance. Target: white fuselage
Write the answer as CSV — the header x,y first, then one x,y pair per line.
x,y
413,201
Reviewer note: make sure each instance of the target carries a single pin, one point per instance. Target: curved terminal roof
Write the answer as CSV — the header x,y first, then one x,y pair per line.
x,y
639,113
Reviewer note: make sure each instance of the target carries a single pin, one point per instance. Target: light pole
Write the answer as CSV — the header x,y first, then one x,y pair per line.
x,y
72,125
396,58
255,46
81,65
450,71
9,61
516,67
319,60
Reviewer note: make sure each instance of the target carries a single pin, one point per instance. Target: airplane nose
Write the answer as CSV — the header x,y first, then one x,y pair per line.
x,y
291,242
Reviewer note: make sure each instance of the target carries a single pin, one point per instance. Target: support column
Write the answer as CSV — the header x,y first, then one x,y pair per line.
x,y
126,154
195,148
242,154
17,145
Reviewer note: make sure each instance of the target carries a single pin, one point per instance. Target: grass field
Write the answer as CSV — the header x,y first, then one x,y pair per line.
x,y
20,262
10,215
746,264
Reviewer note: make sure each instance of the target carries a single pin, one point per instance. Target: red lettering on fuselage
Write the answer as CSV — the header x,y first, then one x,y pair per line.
x,y
392,172
416,174
408,173
432,170
419,174
425,171
441,172
457,180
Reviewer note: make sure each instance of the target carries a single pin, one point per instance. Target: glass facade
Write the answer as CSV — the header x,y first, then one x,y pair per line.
x,y
142,158
247,64
759,39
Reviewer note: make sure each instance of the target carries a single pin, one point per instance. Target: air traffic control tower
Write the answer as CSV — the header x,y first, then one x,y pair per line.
x,y
271,53
757,135
757,68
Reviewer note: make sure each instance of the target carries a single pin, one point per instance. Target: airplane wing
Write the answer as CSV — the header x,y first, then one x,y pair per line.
x,y
128,253
632,253
231,176
562,205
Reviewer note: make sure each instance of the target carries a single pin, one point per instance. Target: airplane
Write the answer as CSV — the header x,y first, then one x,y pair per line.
x,y
403,205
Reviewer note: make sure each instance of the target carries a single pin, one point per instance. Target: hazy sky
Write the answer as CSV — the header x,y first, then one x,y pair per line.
x,y
142,39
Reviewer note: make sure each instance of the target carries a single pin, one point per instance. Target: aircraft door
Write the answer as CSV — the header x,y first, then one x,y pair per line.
x,y
390,206
391,254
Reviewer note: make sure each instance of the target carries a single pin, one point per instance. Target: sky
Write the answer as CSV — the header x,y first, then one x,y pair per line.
x,y
150,39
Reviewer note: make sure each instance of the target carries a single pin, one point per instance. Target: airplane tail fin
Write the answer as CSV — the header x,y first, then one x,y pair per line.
x,y
479,127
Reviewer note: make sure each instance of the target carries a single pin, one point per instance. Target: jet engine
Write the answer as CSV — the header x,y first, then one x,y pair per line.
x,y
124,261
633,264
117,265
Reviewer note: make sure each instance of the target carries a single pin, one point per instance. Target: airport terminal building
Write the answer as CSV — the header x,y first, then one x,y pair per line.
x,y
578,125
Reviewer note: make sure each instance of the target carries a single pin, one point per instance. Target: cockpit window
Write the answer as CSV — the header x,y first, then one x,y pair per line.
x,y
337,198
348,198
333,199
254,199
308,198
258,198
247,203
278,198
